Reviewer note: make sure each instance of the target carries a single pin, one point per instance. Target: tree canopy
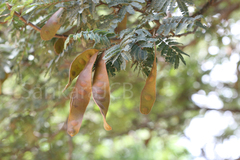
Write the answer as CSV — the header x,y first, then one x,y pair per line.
x,y
190,48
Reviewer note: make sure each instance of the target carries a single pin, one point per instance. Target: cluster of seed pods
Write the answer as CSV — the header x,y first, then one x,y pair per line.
x,y
82,67
80,97
81,93
78,64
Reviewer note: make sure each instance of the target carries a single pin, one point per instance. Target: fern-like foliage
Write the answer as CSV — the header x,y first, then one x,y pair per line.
x,y
133,44
133,47
164,5
100,37
159,5
176,24
171,52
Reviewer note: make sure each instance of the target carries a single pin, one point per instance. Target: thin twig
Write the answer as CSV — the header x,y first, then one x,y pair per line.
x,y
206,6
179,35
4,15
30,24
183,34
3,22
70,146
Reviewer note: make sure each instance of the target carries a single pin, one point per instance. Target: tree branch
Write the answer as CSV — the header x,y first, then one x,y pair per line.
x,y
30,24
206,6
183,34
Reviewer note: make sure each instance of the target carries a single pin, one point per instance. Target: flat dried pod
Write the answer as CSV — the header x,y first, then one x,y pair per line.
x,y
49,30
59,45
148,94
80,97
78,64
101,89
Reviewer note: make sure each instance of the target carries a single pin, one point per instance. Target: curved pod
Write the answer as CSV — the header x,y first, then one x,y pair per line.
x,y
148,94
53,24
78,64
59,45
80,97
101,89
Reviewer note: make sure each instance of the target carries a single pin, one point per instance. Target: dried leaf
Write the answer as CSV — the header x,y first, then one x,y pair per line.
x,y
101,89
80,97
148,95
78,64
59,45
49,30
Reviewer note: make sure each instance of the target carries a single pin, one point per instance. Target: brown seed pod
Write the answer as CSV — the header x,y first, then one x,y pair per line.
x,y
80,97
148,94
78,64
59,45
49,30
101,89
122,25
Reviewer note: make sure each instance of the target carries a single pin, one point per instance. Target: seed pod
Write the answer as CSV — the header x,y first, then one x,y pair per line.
x,y
101,89
122,25
78,64
59,45
148,95
80,97
49,30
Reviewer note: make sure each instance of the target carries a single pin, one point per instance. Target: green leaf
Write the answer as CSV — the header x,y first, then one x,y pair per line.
x,y
96,1
167,30
199,24
158,4
146,45
161,46
137,5
130,9
181,26
17,23
189,2
112,51
182,59
180,51
124,32
126,38
183,7
169,51
165,6
161,29
141,1
138,54
126,56
115,3
124,64
176,64
189,26
116,57
164,50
